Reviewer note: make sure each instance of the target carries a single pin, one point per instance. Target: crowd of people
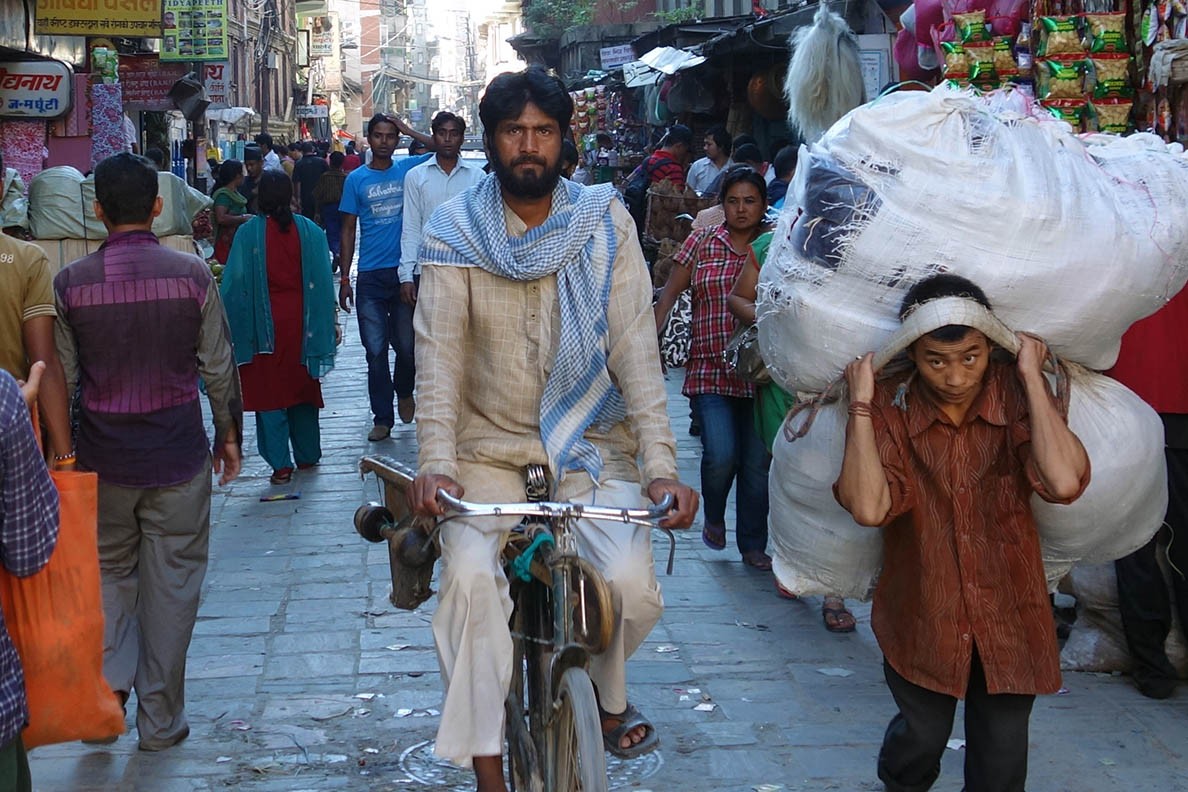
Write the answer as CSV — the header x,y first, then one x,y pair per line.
x,y
524,329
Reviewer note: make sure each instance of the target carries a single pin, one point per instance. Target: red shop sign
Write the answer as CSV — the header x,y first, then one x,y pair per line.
x,y
146,81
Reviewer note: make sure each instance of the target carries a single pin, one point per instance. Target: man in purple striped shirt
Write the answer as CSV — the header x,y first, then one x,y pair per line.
x,y
138,324
28,533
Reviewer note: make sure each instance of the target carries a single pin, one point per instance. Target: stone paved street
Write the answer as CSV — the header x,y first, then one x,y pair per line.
x,y
302,676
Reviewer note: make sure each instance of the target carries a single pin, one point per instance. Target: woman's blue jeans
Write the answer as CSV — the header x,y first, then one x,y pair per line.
x,y
732,450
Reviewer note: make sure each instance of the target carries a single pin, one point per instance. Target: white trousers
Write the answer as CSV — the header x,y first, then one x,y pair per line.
x,y
470,627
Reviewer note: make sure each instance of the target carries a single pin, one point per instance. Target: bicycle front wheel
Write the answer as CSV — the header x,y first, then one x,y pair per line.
x,y
575,736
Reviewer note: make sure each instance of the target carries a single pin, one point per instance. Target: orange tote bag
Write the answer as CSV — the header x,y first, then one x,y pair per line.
x,y
55,618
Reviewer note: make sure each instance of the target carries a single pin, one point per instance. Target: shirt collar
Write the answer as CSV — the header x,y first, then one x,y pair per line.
x,y
433,163
132,237
923,411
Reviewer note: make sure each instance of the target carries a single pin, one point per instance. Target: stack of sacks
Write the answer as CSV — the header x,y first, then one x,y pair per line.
x,y
1072,239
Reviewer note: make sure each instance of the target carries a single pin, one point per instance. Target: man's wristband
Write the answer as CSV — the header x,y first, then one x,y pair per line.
x,y
344,281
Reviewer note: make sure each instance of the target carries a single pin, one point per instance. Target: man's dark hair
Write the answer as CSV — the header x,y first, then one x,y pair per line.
x,y
569,153
747,152
156,155
336,159
443,118
721,139
307,148
264,141
252,154
743,139
508,94
381,118
604,140
785,162
350,147
274,197
126,188
936,287
416,148
737,174
678,134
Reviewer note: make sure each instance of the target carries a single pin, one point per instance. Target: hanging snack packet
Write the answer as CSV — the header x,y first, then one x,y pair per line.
x,y
980,57
1105,32
1058,36
1070,110
956,61
1111,76
1004,54
1061,79
971,26
1113,116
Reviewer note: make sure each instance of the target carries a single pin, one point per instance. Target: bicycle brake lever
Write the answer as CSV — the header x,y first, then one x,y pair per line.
x,y
663,507
449,500
671,550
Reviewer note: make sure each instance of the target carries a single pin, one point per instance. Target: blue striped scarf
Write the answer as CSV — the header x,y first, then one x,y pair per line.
x,y
577,243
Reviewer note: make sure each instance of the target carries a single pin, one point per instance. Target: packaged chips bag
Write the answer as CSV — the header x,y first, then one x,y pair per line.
x,y
1113,115
971,26
1070,110
956,60
1111,76
1061,79
1105,32
1059,36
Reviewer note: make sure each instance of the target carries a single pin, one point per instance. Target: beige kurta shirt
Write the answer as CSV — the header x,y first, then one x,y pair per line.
x,y
485,346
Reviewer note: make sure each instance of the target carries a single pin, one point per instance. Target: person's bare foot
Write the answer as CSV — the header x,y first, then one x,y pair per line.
x,y
488,772
633,737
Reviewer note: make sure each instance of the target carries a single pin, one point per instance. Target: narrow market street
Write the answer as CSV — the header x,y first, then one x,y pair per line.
x,y
302,676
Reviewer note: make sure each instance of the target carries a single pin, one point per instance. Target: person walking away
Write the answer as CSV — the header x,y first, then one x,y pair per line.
x,y
253,164
703,172
427,187
352,159
230,207
945,458
327,196
772,404
372,210
1150,366
138,326
27,336
709,262
306,173
279,295
28,535
499,262
784,167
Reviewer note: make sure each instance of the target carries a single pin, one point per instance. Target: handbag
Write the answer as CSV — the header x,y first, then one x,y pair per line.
x,y
677,336
742,355
55,619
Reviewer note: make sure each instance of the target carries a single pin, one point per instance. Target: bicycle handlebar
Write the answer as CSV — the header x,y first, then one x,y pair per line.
x,y
648,517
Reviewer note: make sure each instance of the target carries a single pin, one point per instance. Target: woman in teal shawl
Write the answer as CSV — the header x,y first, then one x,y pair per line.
x,y
279,297
771,407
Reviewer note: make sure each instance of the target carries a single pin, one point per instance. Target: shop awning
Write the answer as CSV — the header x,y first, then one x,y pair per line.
x,y
661,60
233,116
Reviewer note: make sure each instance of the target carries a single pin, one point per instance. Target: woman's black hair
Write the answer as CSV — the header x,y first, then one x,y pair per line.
x,y
507,95
227,173
274,196
126,188
736,174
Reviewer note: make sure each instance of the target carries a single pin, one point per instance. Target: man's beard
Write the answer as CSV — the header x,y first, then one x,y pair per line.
x,y
529,186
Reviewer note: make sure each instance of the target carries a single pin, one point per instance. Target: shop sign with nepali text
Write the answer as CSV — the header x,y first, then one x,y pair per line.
x,y
126,18
194,30
145,81
34,89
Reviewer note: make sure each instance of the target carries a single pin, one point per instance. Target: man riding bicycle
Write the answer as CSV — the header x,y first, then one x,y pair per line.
x,y
536,346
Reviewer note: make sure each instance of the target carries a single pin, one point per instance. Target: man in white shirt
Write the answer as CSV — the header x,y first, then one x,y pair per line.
x,y
717,156
271,160
428,186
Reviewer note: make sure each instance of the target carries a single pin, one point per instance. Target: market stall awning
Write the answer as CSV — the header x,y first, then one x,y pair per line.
x,y
233,115
661,60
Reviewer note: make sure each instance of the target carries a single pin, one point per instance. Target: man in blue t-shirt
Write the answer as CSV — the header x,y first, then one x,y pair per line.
x,y
373,207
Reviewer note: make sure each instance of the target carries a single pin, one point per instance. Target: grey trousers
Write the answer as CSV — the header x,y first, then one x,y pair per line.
x,y
152,557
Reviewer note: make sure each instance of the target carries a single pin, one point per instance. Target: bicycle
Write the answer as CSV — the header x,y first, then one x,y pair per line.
x,y
562,615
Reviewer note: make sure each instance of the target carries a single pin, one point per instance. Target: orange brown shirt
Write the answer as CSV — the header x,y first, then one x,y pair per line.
x,y
961,555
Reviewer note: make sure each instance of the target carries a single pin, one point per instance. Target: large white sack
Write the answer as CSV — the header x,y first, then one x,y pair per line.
x,y
817,548
1126,499
1097,642
61,205
1072,239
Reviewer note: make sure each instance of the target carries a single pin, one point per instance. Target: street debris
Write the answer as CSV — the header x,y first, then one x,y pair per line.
x,y
706,706
332,715
955,744
238,725
368,696
667,649
222,759
397,647
835,672
749,626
